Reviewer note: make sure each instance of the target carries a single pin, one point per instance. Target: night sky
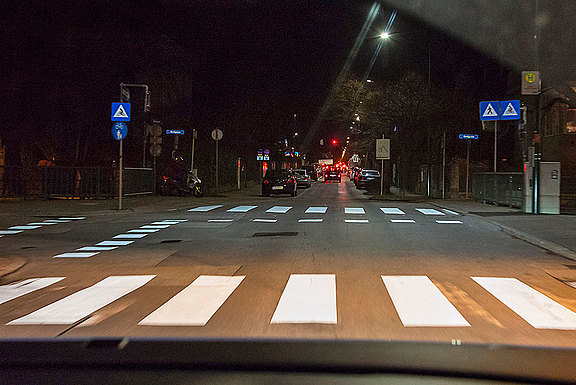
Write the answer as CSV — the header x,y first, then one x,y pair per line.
x,y
243,66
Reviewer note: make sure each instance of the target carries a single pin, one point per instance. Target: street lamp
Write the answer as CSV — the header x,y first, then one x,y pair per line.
x,y
385,35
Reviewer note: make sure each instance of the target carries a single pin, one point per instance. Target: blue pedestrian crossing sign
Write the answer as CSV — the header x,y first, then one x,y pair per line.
x,y
510,110
119,130
120,112
489,110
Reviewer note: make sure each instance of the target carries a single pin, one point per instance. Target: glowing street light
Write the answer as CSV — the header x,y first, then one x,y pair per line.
x,y
384,35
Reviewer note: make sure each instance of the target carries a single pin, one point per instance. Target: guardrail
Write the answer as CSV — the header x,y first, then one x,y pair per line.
x,y
502,188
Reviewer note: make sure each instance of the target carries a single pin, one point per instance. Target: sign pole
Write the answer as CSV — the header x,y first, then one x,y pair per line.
x,y
382,179
121,175
467,165
216,167
193,140
443,165
239,161
495,145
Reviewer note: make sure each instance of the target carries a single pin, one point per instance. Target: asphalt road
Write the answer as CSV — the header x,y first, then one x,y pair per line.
x,y
326,264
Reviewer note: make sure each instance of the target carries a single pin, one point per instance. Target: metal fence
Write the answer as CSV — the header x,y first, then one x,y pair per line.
x,y
138,181
503,188
82,182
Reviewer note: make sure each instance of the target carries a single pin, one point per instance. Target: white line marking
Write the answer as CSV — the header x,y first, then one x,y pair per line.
x,y
114,243
308,298
163,223
24,227
154,226
279,209
220,220
310,220
534,307
354,210
203,209
97,248
419,302
316,210
41,223
449,222
265,220
72,218
450,212
75,255
402,221
430,212
143,230
81,304
356,220
56,221
241,209
129,236
10,232
392,211
18,289
196,304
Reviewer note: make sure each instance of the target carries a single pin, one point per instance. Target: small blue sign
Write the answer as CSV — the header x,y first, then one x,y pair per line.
x,y
489,110
175,132
120,112
468,136
119,130
267,151
510,110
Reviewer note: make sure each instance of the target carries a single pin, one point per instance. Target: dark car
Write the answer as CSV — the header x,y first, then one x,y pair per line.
x,y
366,176
279,182
332,173
302,178
311,171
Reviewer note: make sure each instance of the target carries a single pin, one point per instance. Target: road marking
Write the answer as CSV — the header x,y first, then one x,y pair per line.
x,y
279,209
10,232
316,210
449,222
176,220
354,210
143,230
392,211
23,227
56,221
356,220
419,302
450,212
402,221
203,209
219,220
310,220
75,255
114,243
154,226
196,304
430,212
265,220
308,298
81,304
72,218
97,248
241,209
129,236
534,307
41,223
18,289
163,223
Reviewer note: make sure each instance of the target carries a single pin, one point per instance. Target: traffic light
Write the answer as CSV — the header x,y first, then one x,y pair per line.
x,y
334,142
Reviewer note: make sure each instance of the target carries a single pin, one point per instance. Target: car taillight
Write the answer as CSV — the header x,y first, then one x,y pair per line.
x,y
265,181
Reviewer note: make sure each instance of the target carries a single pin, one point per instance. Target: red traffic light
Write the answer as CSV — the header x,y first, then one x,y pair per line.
x,y
334,142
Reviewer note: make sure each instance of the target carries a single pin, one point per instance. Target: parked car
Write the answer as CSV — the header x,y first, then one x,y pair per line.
x,y
355,175
302,178
366,176
332,173
279,182
311,171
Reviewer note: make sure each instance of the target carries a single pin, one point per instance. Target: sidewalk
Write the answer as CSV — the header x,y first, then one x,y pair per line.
x,y
556,233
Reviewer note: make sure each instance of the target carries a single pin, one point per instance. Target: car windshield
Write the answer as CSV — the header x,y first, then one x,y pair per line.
x,y
149,154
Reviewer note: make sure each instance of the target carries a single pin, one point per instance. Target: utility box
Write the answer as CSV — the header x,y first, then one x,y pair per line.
x,y
527,188
549,188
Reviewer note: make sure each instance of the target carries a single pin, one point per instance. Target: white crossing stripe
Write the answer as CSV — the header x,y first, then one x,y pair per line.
x,y
114,243
419,302
76,255
265,220
402,221
310,220
316,210
41,223
534,307
450,212
354,210
430,212
203,209
196,304
143,230
167,224
97,248
72,218
129,236
356,220
154,226
308,298
23,227
392,211
81,304
57,220
449,222
279,209
219,220
176,220
10,232
241,209
18,289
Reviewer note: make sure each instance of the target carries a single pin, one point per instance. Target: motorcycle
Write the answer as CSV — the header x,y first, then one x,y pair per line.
x,y
193,186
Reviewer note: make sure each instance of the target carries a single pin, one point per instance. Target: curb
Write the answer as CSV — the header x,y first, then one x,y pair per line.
x,y
539,242
13,266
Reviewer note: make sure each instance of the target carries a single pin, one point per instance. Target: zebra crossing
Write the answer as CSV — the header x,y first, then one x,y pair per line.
x,y
13,230
305,299
354,214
